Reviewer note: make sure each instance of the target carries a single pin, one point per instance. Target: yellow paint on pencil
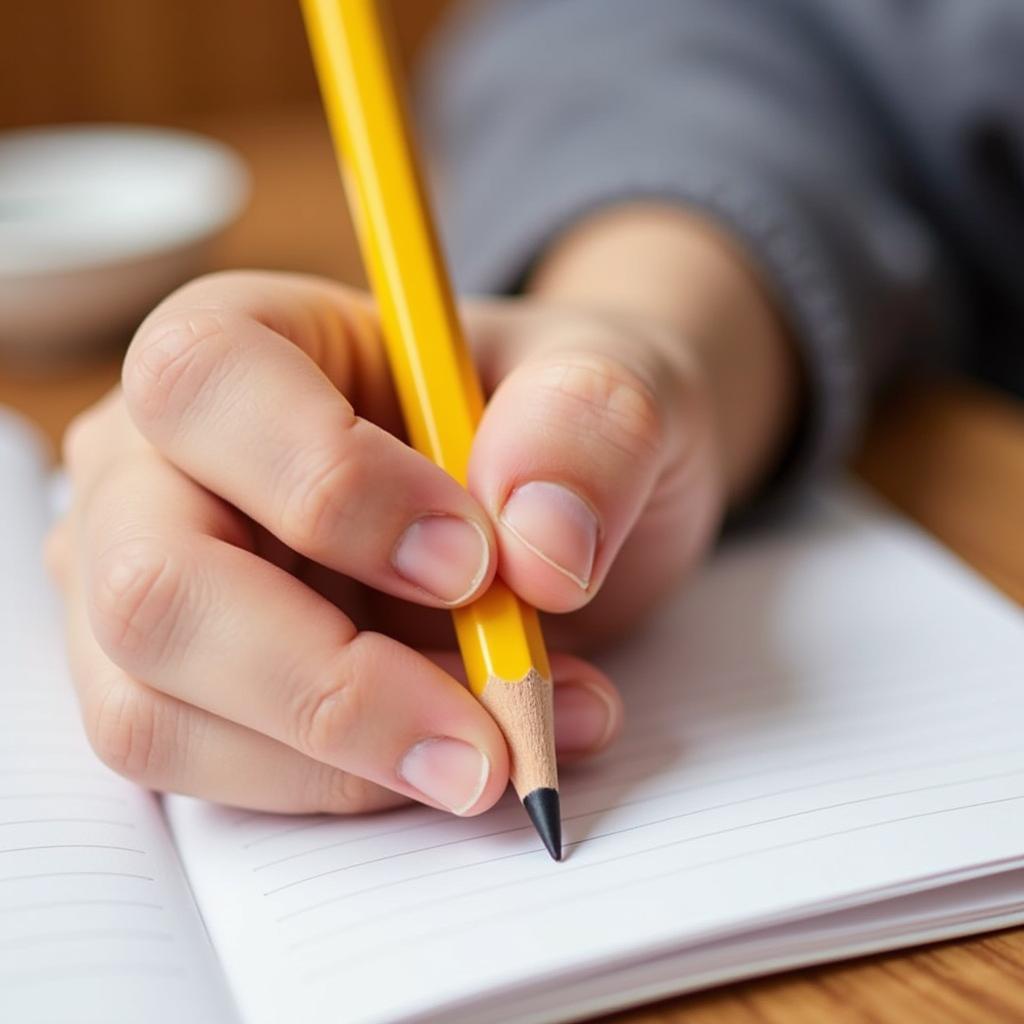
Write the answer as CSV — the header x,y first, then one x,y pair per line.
x,y
437,384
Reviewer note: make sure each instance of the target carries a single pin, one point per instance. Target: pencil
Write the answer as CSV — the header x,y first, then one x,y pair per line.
x,y
438,388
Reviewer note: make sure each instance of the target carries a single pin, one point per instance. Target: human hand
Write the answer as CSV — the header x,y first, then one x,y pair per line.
x,y
245,519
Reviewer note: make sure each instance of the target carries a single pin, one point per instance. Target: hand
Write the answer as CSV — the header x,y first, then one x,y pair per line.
x,y
245,517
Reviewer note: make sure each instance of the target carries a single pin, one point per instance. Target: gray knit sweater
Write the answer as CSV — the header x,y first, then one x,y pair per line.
x,y
868,153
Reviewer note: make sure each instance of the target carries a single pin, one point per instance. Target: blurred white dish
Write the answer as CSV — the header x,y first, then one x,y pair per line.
x,y
97,223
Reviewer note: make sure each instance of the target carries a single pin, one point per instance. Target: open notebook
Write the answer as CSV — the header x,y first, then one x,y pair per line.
x,y
824,756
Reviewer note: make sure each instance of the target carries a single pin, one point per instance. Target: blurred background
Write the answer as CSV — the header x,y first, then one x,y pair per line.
x,y
950,454
237,71
163,61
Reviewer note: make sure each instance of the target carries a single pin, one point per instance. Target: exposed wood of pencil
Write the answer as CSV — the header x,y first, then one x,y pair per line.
x,y
523,710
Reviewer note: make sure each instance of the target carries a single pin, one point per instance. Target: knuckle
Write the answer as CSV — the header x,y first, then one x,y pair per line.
x,y
135,593
324,714
598,395
123,731
318,487
171,361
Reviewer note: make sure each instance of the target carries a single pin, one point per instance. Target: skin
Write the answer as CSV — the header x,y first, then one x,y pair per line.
x,y
236,623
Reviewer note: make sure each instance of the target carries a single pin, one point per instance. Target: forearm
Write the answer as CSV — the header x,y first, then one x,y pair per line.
x,y
743,114
663,263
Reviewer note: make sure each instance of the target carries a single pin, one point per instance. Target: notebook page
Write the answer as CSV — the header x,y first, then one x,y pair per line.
x,y
982,904
832,711
96,919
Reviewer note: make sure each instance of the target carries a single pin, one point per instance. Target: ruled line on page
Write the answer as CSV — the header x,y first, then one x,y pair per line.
x,y
638,801
50,750
77,874
63,773
69,821
35,975
105,797
95,919
405,853
569,870
785,738
45,726
779,741
532,878
406,939
31,908
568,796
327,821
85,935
73,846
898,743
653,822
321,821
584,786
898,740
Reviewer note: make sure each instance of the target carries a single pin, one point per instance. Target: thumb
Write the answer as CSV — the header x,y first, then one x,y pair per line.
x,y
571,448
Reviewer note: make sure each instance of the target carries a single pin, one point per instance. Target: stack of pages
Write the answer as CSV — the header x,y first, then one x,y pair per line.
x,y
824,757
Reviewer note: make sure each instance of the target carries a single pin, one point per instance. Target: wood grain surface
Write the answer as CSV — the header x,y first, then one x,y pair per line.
x,y
948,453
159,61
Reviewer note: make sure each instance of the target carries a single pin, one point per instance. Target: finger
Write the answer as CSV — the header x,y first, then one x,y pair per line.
x,y
215,626
588,708
572,446
165,744
251,415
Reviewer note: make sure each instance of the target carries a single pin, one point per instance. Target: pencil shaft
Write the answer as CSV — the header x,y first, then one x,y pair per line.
x,y
436,381
437,384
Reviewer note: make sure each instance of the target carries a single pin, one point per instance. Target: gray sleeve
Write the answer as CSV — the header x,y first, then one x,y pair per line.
x,y
542,110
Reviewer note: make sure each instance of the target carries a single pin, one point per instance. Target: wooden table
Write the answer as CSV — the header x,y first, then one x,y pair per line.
x,y
949,454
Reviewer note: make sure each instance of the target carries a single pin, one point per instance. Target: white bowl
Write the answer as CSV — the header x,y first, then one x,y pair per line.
x,y
97,224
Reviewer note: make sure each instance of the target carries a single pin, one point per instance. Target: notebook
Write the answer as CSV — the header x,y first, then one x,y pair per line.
x,y
823,758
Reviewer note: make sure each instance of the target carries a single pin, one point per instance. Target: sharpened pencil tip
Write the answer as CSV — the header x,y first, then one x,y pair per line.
x,y
546,814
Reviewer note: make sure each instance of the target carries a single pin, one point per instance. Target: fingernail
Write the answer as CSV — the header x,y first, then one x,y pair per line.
x,y
449,772
556,525
584,718
445,556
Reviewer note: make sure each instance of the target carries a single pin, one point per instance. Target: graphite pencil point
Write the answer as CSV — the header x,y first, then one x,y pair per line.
x,y
545,812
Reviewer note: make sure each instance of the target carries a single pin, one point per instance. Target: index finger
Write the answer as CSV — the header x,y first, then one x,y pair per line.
x,y
255,416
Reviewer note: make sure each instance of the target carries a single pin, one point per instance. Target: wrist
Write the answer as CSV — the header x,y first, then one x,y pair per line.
x,y
662,263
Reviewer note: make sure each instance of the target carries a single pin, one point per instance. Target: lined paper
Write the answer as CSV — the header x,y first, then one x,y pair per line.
x,y
830,715
97,922
958,909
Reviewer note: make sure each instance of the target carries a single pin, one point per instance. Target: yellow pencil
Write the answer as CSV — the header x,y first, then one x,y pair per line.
x,y
437,384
